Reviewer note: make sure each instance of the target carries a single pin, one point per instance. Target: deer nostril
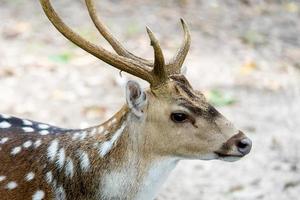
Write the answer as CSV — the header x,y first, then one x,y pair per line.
x,y
244,146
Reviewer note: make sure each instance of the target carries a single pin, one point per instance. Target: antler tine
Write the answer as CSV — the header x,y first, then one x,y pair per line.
x,y
159,61
116,45
176,63
131,66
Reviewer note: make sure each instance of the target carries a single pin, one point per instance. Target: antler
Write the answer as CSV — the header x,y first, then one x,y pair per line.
x,y
124,61
174,67
116,45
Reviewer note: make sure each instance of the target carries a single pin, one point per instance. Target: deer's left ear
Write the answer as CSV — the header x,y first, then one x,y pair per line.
x,y
135,97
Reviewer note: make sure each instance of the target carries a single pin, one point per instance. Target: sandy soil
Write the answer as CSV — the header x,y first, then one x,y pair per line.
x,y
248,49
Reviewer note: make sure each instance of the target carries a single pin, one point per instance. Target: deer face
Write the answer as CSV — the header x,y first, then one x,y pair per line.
x,y
179,122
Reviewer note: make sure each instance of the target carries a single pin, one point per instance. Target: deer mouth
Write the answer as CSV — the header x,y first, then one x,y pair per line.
x,y
228,157
223,155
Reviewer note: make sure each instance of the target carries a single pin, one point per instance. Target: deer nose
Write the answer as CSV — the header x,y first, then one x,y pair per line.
x,y
244,146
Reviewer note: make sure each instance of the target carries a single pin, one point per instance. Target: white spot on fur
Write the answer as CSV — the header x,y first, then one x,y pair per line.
x,y
16,150
2,178
43,126
49,177
5,116
52,150
44,132
106,146
37,143
60,193
11,185
61,158
76,136
30,176
84,160
69,170
27,144
83,135
105,132
54,183
27,122
5,124
28,129
38,195
93,131
100,129
3,140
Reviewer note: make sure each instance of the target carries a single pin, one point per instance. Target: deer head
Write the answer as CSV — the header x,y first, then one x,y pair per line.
x,y
177,120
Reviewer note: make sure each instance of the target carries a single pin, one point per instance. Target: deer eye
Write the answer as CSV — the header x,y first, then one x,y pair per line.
x,y
179,117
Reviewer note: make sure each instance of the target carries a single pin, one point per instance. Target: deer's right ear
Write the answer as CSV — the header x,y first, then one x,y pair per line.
x,y
135,97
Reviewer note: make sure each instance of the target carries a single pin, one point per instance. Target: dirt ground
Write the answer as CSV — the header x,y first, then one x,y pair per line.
x,y
248,50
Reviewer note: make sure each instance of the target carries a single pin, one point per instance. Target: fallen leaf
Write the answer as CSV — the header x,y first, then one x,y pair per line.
x,y
248,67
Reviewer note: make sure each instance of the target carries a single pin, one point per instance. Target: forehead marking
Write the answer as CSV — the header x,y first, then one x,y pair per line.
x,y
187,90
184,85
192,108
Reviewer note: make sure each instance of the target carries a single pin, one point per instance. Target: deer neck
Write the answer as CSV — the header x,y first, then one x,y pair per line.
x,y
139,173
127,168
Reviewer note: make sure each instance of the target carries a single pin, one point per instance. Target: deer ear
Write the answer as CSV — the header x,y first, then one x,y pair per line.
x,y
135,97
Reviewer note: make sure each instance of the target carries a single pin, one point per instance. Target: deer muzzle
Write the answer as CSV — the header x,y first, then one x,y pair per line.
x,y
237,146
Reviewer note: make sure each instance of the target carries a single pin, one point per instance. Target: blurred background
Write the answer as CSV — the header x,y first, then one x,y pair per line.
x,y
245,57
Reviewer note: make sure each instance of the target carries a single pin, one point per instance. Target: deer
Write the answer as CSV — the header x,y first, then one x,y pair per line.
x,y
130,155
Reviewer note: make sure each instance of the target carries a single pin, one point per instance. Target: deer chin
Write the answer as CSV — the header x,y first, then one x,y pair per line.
x,y
228,157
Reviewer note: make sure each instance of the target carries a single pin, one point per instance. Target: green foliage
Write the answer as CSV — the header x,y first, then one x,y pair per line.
x,y
253,38
62,58
217,98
